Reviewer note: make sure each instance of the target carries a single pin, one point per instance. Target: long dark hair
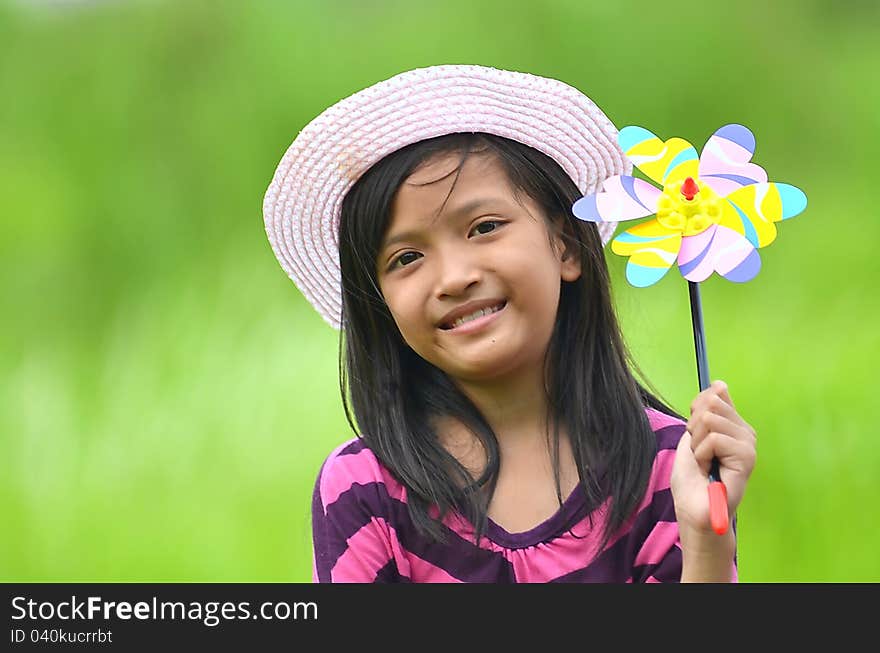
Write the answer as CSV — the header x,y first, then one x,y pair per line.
x,y
394,393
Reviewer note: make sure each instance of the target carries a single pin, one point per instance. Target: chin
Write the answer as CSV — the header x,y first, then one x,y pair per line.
x,y
483,369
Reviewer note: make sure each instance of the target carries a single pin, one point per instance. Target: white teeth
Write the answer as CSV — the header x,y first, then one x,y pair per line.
x,y
475,315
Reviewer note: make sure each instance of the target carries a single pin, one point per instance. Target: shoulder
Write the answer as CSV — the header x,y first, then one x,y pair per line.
x,y
356,510
653,536
668,430
352,471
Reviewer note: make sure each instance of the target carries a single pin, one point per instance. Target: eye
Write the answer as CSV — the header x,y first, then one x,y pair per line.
x,y
487,226
403,260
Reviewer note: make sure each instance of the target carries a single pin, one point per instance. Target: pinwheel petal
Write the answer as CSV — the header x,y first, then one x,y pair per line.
x,y
794,200
670,160
652,250
622,198
642,276
724,161
721,250
752,210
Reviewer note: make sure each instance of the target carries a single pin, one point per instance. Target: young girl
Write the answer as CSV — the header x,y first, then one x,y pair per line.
x,y
501,434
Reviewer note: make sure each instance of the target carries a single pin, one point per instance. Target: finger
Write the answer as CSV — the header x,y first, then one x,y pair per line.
x,y
711,401
716,393
721,390
684,455
707,422
699,425
732,454
710,398
714,388
723,404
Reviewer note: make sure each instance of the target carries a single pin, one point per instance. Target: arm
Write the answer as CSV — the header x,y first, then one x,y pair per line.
x,y
708,557
352,539
715,430
668,555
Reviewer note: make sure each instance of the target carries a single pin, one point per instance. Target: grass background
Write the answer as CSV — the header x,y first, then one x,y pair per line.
x,y
167,395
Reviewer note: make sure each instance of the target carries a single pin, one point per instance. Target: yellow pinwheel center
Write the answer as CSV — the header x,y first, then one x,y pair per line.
x,y
690,216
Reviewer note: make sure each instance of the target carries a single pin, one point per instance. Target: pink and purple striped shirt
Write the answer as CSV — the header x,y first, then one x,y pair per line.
x,y
362,531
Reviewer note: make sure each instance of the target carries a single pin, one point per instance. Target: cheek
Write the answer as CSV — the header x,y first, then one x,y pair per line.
x,y
545,304
537,285
408,315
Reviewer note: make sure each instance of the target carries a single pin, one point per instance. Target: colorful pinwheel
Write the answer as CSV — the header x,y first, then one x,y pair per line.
x,y
712,213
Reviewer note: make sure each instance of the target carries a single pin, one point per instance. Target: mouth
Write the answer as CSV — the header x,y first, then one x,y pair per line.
x,y
474,320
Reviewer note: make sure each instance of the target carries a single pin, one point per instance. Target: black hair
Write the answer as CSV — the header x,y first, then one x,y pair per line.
x,y
391,393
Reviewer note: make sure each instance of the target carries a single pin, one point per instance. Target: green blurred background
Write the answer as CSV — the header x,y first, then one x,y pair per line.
x,y
167,395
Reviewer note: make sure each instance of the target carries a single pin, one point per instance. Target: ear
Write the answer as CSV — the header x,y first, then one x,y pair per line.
x,y
565,247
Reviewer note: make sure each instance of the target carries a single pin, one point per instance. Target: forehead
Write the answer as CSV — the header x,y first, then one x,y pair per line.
x,y
442,185
436,168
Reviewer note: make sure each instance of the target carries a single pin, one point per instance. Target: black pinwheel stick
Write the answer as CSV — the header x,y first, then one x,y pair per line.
x,y
718,515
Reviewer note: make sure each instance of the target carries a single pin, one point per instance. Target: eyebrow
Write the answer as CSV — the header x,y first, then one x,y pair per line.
x,y
464,209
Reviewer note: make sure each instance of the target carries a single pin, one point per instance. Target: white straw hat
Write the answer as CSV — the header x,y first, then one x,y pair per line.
x,y
302,205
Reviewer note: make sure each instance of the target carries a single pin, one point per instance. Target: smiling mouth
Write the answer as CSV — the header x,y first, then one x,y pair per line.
x,y
473,316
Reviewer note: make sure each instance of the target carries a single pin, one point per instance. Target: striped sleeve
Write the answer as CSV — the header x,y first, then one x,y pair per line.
x,y
657,544
352,538
658,558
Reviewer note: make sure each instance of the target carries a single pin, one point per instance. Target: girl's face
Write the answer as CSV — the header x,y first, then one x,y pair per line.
x,y
484,251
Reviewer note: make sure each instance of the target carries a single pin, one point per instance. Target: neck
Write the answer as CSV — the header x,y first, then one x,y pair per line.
x,y
516,408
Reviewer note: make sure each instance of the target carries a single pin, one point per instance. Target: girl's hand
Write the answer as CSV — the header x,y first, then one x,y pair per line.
x,y
715,430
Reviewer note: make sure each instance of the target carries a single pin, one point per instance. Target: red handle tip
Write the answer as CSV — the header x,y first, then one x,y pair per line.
x,y
718,507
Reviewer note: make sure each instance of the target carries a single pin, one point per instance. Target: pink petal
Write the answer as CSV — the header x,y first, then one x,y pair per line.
x,y
718,249
622,198
725,160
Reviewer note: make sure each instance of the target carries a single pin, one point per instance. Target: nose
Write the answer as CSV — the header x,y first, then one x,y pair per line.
x,y
457,271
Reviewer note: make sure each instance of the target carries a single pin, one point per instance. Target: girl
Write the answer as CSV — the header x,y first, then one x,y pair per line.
x,y
501,434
